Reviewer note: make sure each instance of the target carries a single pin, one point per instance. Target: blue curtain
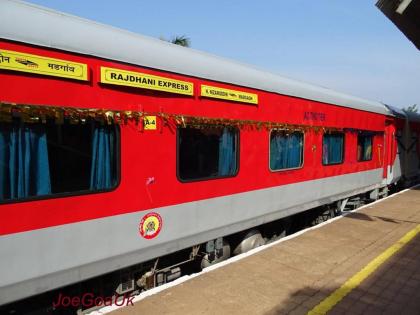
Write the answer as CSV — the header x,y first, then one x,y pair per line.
x,y
277,151
227,152
23,161
332,148
366,148
4,164
103,142
285,150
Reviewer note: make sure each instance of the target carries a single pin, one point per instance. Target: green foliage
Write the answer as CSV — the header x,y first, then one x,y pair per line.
x,y
411,109
179,40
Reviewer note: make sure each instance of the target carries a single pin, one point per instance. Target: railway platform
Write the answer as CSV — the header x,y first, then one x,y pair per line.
x,y
366,262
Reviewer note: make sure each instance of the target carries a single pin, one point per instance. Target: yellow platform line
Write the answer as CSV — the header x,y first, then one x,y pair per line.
x,y
328,303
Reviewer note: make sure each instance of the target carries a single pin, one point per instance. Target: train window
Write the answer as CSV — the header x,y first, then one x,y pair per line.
x,y
333,148
364,147
286,150
207,153
47,159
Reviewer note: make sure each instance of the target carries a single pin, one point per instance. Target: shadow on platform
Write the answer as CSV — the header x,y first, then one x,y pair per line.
x,y
365,217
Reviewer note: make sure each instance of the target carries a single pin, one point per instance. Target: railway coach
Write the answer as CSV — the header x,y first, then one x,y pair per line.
x,y
126,156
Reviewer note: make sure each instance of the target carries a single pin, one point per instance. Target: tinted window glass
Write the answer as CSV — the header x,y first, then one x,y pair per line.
x,y
333,148
44,159
364,147
207,153
286,150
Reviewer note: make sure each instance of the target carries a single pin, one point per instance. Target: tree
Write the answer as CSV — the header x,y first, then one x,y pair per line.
x,y
179,40
411,109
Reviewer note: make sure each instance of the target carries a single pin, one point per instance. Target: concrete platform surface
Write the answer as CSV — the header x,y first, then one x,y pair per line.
x,y
294,276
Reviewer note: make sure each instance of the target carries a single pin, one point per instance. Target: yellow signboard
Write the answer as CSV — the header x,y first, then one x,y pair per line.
x,y
145,81
17,61
227,94
149,122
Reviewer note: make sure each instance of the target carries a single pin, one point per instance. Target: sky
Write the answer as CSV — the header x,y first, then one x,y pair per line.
x,y
348,46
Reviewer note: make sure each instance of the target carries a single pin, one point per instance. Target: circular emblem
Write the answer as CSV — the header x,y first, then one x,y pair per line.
x,y
150,225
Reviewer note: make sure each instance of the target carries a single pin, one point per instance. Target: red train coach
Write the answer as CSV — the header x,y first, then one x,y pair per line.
x,y
405,128
117,149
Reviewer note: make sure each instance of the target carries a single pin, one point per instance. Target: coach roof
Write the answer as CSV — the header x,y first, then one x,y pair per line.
x,y
24,22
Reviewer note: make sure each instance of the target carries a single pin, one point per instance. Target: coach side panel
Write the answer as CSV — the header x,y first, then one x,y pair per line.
x,y
53,240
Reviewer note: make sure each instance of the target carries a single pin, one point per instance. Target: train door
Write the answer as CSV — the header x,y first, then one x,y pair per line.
x,y
389,150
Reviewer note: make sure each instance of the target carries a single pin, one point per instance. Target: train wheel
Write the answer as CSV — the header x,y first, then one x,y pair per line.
x,y
251,240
